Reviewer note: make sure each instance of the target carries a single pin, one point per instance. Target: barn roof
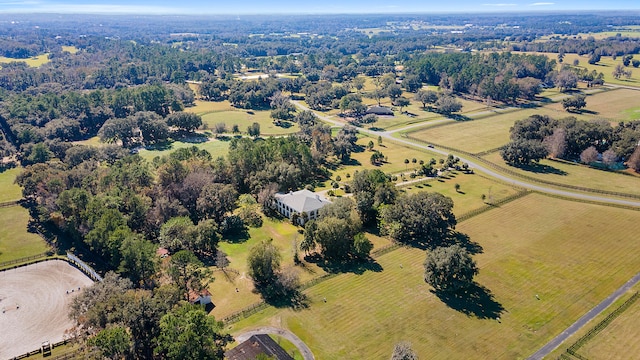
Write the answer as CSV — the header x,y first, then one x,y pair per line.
x,y
379,110
256,345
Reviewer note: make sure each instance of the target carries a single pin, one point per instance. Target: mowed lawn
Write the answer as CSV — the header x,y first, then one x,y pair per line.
x,y
469,197
571,254
15,241
283,235
615,105
215,147
35,61
485,134
619,339
568,173
10,191
244,118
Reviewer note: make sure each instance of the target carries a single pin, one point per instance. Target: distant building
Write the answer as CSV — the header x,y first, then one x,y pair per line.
x,y
304,203
380,110
256,345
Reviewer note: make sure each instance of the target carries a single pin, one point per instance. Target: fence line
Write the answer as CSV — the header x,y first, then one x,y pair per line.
x,y
84,267
23,259
526,177
572,350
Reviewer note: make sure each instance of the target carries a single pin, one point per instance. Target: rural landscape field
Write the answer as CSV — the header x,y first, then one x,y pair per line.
x,y
183,184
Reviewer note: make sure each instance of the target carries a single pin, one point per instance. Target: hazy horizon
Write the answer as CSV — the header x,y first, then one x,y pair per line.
x,y
253,7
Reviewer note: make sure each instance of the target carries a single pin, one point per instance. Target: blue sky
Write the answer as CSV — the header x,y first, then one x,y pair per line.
x,y
306,6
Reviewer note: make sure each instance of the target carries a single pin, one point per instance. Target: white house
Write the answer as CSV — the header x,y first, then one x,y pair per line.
x,y
300,202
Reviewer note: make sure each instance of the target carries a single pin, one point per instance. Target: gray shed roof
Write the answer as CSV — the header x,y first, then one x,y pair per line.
x,y
303,200
256,345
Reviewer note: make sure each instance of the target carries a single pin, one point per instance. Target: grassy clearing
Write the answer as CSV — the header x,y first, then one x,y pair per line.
x,y
244,118
93,141
215,147
283,234
206,107
568,173
15,241
484,134
615,105
395,153
616,341
10,190
471,189
35,61
581,254
70,49
288,347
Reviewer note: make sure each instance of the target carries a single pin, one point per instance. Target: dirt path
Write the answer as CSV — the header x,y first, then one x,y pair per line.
x,y
302,347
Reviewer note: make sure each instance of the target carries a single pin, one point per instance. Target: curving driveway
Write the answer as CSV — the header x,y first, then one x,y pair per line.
x,y
302,347
479,167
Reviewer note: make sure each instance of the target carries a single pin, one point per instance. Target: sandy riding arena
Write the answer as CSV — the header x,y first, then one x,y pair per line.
x,y
33,304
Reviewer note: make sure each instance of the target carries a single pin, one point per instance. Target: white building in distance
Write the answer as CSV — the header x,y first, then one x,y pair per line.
x,y
302,202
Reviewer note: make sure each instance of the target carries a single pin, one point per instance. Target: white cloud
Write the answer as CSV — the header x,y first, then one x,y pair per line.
x,y
542,4
499,5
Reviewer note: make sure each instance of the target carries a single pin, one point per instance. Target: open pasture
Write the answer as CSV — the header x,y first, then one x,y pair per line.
x,y
10,190
484,134
569,173
581,254
34,301
244,118
469,197
615,105
15,241
35,61
283,234
215,147
205,107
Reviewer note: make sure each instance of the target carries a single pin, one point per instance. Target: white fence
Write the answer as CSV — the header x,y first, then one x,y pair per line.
x,y
84,267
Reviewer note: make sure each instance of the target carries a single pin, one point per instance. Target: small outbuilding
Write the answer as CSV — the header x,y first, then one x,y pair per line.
x,y
256,345
380,111
202,297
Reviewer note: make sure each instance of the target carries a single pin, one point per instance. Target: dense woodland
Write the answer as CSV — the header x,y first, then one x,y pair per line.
x,y
127,85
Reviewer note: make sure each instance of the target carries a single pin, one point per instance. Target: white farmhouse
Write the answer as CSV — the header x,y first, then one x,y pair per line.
x,y
304,203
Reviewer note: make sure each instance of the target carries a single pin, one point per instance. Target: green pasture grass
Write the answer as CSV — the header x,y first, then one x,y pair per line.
x,y
482,134
288,347
244,118
617,340
205,107
571,254
615,105
215,147
606,65
35,61
283,234
70,49
395,153
10,190
569,173
472,186
15,241
93,141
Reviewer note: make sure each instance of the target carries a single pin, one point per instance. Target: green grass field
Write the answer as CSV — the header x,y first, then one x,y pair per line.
x,y
244,118
215,147
70,49
568,173
618,339
615,105
472,186
35,61
15,241
10,190
205,107
483,134
581,254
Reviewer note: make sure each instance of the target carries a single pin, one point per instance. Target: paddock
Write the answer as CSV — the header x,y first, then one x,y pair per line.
x,y
33,305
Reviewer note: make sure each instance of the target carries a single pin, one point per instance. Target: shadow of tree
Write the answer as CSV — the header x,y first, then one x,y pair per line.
x,y
358,267
464,241
476,301
542,169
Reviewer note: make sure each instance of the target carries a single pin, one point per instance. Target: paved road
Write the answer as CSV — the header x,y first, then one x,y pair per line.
x,y
553,344
302,347
478,167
